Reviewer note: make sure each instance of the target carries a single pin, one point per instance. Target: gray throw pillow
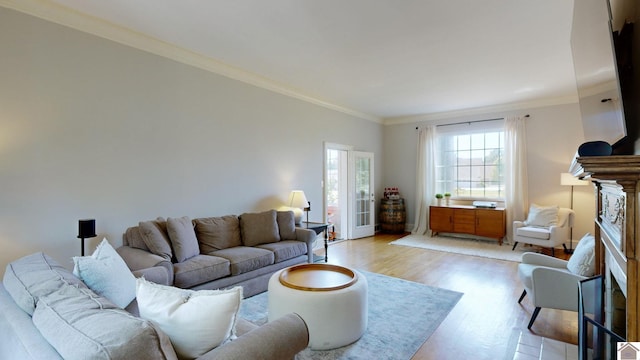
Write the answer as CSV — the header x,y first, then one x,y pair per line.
x,y
286,225
259,228
154,234
183,238
217,233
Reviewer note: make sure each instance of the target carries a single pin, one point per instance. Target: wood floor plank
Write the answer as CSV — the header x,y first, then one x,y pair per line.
x,y
487,319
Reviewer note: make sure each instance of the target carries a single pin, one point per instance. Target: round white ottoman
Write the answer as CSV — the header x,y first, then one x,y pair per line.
x,y
331,299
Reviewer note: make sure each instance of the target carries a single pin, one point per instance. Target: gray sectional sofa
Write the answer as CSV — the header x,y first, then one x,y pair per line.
x,y
217,252
48,313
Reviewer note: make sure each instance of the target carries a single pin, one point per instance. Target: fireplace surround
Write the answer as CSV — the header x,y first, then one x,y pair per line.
x,y
616,181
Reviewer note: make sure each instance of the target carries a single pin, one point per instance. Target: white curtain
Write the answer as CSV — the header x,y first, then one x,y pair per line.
x,y
516,186
425,178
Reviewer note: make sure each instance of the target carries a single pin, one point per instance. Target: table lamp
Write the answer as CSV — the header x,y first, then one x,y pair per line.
x,y
298,202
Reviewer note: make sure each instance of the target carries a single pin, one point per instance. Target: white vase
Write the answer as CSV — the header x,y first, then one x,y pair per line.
x,y
438,201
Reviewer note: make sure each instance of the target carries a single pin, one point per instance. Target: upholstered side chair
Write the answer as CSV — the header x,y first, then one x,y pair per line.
x,y
549,236
553,283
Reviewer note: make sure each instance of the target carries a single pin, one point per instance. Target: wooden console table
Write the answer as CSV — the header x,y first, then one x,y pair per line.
x,y
461,219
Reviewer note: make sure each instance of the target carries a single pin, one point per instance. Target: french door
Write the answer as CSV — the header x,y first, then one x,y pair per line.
x,y
348,187
361,196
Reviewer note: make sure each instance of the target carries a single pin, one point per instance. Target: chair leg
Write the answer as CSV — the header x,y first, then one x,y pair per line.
x,y
533,317
524,293
514,246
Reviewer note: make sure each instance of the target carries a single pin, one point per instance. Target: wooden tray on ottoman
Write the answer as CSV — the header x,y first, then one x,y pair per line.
x,y
318,277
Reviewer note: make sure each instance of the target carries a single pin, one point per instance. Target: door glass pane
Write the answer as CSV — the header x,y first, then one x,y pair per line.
x,y
363,203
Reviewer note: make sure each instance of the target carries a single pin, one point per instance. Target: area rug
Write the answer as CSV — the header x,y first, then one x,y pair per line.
x,y
402,316
464,246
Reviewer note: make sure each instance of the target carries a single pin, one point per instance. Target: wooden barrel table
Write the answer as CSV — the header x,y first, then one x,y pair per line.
x,y
392,215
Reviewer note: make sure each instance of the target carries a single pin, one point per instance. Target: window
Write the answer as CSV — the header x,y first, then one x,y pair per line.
x,y
470,163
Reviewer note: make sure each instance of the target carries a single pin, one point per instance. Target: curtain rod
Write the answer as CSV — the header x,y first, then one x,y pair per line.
x,y
470,122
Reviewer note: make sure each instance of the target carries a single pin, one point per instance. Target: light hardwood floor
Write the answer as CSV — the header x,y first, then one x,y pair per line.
x,y
487,319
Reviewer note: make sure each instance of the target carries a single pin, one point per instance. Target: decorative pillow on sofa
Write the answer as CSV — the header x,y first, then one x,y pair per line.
x,y
195,321
154,234
183,238
286,225
217,233
582,262
542,216
107,274
259,228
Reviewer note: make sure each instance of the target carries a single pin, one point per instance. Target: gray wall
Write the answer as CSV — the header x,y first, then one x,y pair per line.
x,y
553,136
90,128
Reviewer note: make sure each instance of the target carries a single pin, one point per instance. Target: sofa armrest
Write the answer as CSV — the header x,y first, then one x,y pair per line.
x,y
156,274
307,236
282,338
138,260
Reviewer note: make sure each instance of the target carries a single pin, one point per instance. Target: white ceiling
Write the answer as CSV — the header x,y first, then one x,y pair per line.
x,y
382,59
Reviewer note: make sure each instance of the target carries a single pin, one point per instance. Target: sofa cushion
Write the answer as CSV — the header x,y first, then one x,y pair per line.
x,y
200,269
244,259
543,216
183,238
286,249
107,274
33,276
154,234
73,321
196,321
217,233
582,262
286,225
259,228
534,232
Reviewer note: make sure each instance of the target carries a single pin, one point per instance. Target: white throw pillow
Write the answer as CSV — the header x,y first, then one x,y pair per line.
x,y
107,274
582,262
196,321
542,216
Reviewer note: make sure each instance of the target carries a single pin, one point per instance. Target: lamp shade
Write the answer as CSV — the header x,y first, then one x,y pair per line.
x,y
86,228
297,199
568,179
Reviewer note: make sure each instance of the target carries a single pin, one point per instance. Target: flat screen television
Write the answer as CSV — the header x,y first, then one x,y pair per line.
x,y
606,58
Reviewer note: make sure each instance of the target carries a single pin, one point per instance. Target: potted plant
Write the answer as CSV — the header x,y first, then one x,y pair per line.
x,y
438,199
447,197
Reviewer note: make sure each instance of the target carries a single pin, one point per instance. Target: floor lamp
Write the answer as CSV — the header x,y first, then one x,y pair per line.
x,y
567,179
86,229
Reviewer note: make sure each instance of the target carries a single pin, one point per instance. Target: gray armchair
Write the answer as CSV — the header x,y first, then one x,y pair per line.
x,y
553,283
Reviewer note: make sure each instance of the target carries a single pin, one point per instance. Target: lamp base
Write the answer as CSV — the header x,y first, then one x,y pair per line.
x,y
569,250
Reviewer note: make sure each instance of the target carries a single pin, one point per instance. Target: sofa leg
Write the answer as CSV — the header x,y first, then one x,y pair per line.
x,y
514,246
533,317
553,252
524,293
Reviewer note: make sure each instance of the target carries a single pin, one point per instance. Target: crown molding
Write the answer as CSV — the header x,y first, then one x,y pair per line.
x,y
481,110
65,16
